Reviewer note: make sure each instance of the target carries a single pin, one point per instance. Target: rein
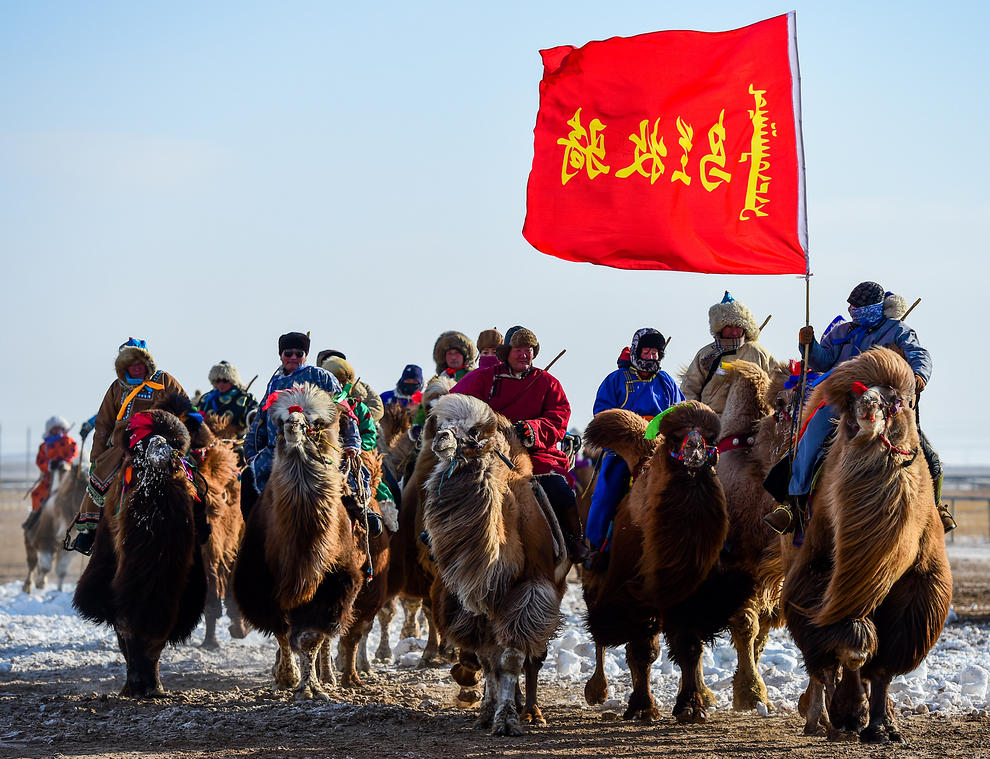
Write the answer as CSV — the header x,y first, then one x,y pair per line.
x,y
735,443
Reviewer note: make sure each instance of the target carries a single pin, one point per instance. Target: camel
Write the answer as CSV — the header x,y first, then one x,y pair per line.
x,y
866,596
665,572
353,643
146,576
43,539
411,569
299,568
753,438
499,552
218,478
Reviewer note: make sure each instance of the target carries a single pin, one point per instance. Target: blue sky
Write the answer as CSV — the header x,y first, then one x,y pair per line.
x,y
208,176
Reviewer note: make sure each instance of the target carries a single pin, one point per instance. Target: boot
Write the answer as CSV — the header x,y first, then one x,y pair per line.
x,y
32,520
948,523
84,542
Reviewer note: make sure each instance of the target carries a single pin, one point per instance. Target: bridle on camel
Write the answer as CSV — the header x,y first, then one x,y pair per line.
x,y
890,409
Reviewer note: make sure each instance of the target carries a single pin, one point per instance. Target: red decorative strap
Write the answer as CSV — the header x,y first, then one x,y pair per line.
x,y
295,409
735,442
859,388
140,427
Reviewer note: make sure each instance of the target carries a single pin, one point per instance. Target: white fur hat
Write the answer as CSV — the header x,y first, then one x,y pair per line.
x,y
56,421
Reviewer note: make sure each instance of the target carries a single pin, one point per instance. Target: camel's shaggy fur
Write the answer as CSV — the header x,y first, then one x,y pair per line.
x,y
299,569
498,551
146,576
664,570
869,591
752,547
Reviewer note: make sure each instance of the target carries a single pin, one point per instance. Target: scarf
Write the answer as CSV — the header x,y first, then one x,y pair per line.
x,y
866,316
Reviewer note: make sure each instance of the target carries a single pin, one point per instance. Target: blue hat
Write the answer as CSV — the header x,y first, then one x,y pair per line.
x,y
727,298
411,374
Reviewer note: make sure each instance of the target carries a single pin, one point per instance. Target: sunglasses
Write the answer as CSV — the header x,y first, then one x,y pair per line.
x,y
293,353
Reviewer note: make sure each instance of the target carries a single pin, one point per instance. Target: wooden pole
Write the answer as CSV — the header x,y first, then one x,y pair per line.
x,y
555,360
765,322
910,309
804,364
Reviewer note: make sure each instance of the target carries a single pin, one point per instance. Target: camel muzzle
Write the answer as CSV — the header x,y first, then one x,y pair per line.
x,y
158,453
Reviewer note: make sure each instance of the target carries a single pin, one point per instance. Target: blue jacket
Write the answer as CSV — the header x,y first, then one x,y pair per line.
x,y
848,339
259,447
624,389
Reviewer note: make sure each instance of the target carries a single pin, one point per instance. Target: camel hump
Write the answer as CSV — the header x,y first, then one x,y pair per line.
x,y
621,431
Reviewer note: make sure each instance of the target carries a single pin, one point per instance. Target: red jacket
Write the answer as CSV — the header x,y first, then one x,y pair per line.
x,y
536,398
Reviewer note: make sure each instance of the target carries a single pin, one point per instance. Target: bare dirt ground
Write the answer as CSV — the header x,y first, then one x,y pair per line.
x,y
407,713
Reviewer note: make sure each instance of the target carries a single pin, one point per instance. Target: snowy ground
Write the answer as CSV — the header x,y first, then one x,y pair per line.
x,y
41,636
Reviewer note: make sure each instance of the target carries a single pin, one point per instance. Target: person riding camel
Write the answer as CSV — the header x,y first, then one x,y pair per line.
x,y
361,389
736,338
876,321
646,390
228,401
488,342
534,401
56,447
140,386
345,374
259,446
408,390
454,355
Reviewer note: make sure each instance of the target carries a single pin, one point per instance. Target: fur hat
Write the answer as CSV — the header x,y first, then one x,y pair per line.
x,y
56,421
731,313
294,340
458,341
326,353
226,371
517,337
489,338
865,294
131,352
340,368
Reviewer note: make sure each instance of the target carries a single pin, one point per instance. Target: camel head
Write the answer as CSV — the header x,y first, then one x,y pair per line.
x,y
466,428
156,441
306,417
690,433
874,393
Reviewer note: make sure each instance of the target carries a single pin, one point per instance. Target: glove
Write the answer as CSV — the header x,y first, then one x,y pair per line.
x,y
414,432
525,433
919,384
86,429
806,336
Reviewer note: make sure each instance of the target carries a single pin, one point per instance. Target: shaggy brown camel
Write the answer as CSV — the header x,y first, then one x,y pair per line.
x,y
664,572
866,596
299,570
753,437
146,576
218,476
499,553
43,540
353,642
412,571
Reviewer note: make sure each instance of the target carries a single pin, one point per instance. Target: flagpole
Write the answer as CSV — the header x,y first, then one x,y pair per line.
x,y
804,363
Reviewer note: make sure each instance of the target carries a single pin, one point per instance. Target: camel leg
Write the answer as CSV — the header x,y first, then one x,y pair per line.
x,y
46,558
748,688
32,562
848,707
410,623
467,673
596,689
285,671
142,667
640,655
508,668
62,563
347,657
324,665
385,616
486,713
685,651
307,644
431,654
811,705
363,665
211,612
531,711
883,727
239,628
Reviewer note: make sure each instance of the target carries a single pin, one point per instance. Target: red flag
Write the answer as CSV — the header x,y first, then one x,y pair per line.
x,y
673,150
